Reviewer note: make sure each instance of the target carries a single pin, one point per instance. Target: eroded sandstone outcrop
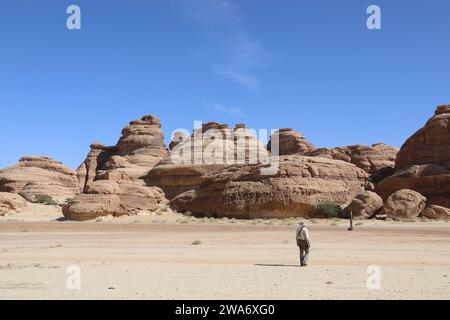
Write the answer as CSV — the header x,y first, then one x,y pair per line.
x,y
216,143
95,160
138,150
112,177
378,160
207,150
175,179
423,163
10,203
113,198
290,142
34,176
300,184
431,144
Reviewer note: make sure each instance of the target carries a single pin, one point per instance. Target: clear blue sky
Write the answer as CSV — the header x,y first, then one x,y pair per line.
x,y
310,65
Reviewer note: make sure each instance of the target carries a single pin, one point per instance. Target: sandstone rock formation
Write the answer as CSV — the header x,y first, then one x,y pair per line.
x,y
218,171
115,198
138,150
216,143
10,203
431,144
423,163
142,142
209,149
34,176
365,204
177,138
377,160
95,160
436,212
431,180
112,177
404,204
291,142
300,184
175,179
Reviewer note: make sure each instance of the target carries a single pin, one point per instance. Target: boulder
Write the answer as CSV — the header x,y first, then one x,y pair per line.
x,y
93,206
404,204
113,198
291,142
10,203
34,176
423,163
294,190
365,204
436,213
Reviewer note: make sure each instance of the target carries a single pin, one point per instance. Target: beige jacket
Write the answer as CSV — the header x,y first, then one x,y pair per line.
x,y
302,234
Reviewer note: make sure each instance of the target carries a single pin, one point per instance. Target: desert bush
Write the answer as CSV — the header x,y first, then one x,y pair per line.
x,y
328,209
45,199
196,243
70,201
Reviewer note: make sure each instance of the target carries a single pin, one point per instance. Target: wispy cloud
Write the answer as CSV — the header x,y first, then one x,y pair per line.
x,y
226,47
234,112
210,12
242,55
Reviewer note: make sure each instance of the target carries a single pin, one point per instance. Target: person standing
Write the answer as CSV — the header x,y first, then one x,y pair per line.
x,y
303,243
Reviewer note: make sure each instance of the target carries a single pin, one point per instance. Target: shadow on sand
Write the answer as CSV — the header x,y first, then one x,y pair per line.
x,y
276,265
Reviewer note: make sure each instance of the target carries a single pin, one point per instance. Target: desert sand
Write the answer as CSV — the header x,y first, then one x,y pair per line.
x,y
154,257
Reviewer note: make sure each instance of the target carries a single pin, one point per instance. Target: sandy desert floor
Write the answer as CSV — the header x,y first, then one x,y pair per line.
x,y
153,257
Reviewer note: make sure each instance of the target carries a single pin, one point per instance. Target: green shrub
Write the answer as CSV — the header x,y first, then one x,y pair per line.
x,y
196,243
328,209
187,213
70,201
45,199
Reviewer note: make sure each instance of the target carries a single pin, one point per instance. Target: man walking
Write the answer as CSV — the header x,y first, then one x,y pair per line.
x,y
303,243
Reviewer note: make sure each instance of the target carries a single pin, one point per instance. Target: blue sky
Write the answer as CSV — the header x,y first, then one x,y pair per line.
x,y
310,65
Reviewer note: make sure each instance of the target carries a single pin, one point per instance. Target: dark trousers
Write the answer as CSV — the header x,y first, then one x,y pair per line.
x,y
304,251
